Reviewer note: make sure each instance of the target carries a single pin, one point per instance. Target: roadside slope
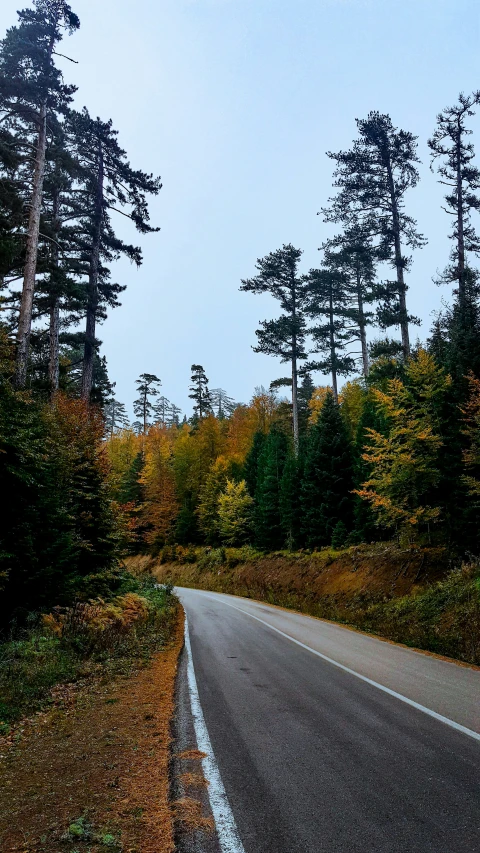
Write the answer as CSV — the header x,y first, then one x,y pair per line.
x,y
409,595
93,770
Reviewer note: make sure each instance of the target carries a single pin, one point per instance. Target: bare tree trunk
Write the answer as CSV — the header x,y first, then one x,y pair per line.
x,y
54,330
296,437
460,226
26,307
333,352
89,349
362,325
402,291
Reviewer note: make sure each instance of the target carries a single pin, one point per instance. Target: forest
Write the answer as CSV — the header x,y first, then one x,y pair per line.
x,y
384,446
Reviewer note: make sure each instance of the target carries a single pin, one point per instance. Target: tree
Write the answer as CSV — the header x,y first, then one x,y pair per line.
x,y
327,299
235,513
354,257
109,184
174,415
222,403
285,337
252,460
404,462
289,500
268,528
199,392
147,386
455,154
373,178
162,410
115,415
32,92
327,481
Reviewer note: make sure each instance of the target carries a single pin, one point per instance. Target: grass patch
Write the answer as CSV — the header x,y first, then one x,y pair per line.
x,y
74,643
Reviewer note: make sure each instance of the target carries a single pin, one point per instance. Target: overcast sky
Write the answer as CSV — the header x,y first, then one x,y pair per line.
x,y
234,103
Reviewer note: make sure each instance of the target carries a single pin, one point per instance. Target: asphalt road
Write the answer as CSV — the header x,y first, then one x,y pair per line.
x,y
314,759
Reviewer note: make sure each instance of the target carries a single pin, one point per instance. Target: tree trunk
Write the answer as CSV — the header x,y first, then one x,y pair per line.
x,y
54,330
26,307
333,352
90,346
402,291
295,404
362,325
460,226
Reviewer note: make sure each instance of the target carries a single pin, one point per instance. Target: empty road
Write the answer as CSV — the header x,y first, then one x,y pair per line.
x,y
315,759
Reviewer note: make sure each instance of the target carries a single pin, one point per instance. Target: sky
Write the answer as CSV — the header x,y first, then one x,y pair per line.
x,y
234,103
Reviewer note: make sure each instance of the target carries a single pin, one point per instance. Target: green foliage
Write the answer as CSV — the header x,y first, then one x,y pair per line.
x,y
235,513
327,481
268,529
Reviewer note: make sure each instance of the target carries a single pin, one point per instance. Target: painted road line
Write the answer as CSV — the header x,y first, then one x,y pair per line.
x,y
405,699
225,822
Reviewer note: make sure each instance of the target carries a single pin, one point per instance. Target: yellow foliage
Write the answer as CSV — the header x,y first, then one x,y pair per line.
x,y
316,402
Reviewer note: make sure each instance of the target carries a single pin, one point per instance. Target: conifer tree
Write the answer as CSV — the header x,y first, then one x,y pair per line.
x,y
327,481
147,386
269,532
285,337
222,404
353,255
200,393
161,409
373,178
328,300
450,146
289,500
32,92
115,415
109,185
174,413
252,460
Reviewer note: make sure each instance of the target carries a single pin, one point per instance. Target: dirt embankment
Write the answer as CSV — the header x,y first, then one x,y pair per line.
x,y
410,595
92,773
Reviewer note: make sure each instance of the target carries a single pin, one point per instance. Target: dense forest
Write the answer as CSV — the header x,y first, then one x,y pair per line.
x,y
393,452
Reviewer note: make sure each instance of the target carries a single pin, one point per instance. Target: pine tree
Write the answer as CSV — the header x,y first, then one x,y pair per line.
x,y
115,415
32,93
373,177
353,255
328,300
449,145
327,481
109,185
289,501
200,393
147,386
305,393
250,470
162,409
269,532
285,337
174,415
222,404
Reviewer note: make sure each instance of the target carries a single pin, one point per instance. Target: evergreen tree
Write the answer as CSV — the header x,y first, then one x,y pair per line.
x,y
353,255
373,177
327,482
200,393
285,337
109,184
32,94
174,415
222,404
450,146
147,386
289,500
305,393
328,299
161,409
252,460
115,415
268,529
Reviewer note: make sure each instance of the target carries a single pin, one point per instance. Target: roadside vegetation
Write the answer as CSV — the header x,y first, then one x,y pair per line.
x,y
411,595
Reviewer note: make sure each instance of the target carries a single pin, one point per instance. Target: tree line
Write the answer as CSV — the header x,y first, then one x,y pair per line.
x,y
65,182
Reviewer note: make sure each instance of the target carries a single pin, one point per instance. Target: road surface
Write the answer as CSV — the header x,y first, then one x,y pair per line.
x,y
312,757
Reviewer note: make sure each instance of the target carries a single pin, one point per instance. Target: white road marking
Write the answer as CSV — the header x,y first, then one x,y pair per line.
x,y
405,699
225,822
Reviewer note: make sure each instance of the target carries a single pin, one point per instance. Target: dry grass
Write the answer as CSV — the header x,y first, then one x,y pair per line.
x,y
92,773
189,817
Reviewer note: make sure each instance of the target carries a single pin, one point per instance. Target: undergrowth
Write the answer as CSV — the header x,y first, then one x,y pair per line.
x,y
99,637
